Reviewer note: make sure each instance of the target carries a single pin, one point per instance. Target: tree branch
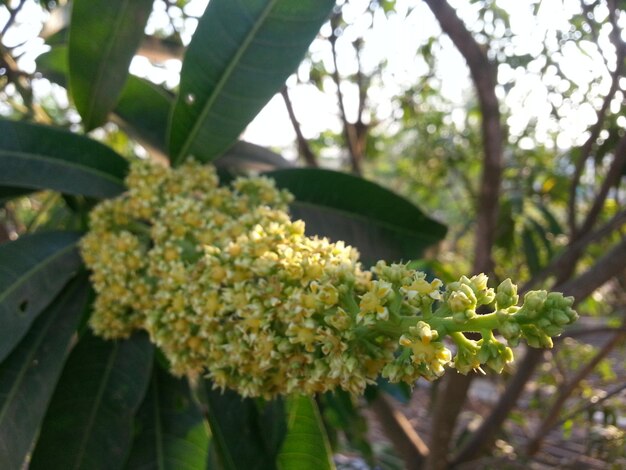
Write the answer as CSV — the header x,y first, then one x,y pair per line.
x,y
569,257
349,131
404,438
612,179
304,149
449,401
12,15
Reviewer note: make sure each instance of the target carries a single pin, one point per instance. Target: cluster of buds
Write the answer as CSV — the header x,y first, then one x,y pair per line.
x,y
228,286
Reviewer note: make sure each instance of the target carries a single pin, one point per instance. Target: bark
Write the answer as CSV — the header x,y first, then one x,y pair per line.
x,y
304,149
405,439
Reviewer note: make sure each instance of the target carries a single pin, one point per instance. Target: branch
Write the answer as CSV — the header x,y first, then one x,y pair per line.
x,y
610,265
404,438
585,149
612,179
348,128
566,390
450,400
303,145
12,15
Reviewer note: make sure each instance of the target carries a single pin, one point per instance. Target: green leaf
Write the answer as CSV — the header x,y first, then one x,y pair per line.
x,y
30,373
33,269
240,55
103,38
306,445
170,429
246,434
42,157
144,109
381,224
89,422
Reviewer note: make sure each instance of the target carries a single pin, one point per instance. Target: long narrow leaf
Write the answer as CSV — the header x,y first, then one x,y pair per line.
x,y
246,434
30,373
89,422
240,55
171,433
306,445
381,224
33,269
103,38
42,157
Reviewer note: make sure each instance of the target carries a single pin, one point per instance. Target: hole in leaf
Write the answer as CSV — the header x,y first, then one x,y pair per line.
x,y
23,306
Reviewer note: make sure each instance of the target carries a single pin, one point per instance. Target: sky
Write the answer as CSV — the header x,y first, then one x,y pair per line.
x,y
396,39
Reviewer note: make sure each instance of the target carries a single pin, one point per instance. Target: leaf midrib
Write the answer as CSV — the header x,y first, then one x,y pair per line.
x,y
96,405
158,425
23,278
62,162
116,29
223,80
29,357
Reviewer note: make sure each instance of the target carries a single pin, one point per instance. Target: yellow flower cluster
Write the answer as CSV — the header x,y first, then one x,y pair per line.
x,y
227,285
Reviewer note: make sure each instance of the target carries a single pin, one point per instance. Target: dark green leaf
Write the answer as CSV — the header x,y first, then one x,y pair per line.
x,y
7,193
30,373
381,224
89,422
246,434
42,157
103,38
306,445
170,429
240,55
33,269
248,157
144,109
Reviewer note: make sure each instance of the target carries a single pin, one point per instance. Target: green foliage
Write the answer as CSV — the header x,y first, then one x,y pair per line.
x,y
240,55
89,423
102,41
344,207
306,445
35,269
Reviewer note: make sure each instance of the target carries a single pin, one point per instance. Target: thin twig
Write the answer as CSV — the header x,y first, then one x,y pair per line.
x,y
611,179
592,404
12,15
348,127
303,145
586,148
569,257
